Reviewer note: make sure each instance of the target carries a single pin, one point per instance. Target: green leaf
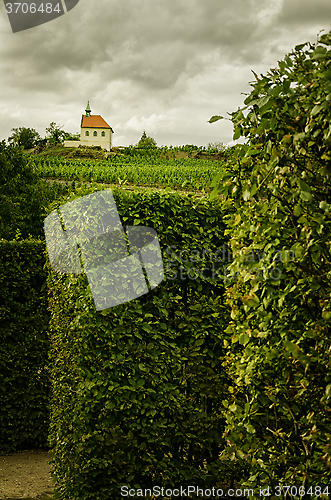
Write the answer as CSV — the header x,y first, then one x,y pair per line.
x,y
215,118
237,219
243,339
299,137
319,53
324,205
316,109
253,190
237,133
305,196
300,46
297,210
146,327
262,101
251,300
326,315
214,194
216,179
303,186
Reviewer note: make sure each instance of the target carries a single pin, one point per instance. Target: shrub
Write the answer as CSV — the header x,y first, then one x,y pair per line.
x,y
23,196
24,378
137,389
278,419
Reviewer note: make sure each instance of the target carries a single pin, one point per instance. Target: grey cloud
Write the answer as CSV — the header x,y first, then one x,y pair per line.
x,y
299,12
148,42
138,58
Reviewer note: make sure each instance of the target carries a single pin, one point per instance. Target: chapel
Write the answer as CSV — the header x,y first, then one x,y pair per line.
x,y
94,131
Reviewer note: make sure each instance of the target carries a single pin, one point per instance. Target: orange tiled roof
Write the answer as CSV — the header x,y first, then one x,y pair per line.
x,y
94,121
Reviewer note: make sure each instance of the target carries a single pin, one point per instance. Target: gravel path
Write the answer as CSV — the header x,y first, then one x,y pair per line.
x,y
26,475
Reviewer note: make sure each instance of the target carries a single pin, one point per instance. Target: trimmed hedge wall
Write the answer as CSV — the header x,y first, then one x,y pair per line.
x,y
24,381
137,389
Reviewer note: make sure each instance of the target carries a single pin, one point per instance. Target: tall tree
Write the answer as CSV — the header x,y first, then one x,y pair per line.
x,y
55,133
146,141
23,136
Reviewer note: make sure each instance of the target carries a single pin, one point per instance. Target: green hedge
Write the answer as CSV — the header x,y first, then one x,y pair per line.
x,y
24,383
23,195
137,389
280,294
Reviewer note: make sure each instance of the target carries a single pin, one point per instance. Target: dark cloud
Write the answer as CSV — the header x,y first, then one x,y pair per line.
x,y
304,12
143,59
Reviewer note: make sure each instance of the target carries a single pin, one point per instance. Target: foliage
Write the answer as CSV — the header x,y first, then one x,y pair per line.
x,y
23,136
24,380
278,418
92,152
23,196
55,133
138,388
71,137
146,141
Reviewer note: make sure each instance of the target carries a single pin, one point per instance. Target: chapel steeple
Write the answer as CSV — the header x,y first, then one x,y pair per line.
x,y
88,109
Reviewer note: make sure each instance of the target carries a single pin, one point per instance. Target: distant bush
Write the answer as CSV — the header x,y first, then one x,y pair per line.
x,y
72,137
94,152
146,141
23,195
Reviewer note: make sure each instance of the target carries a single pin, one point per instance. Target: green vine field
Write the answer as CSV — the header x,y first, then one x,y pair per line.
x,y
189,174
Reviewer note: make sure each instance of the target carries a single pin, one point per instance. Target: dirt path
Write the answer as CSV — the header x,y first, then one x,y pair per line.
x,y
26,475
129,187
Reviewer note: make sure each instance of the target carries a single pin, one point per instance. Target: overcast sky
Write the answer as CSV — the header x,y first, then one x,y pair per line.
x,y
161,66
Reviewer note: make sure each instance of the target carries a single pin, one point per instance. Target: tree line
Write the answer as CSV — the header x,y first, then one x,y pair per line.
x,y
30,138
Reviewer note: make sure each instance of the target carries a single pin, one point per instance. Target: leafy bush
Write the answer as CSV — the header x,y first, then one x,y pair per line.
x,y
278,418
24,379
93,152
23,196
72,137
146,141
137,389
